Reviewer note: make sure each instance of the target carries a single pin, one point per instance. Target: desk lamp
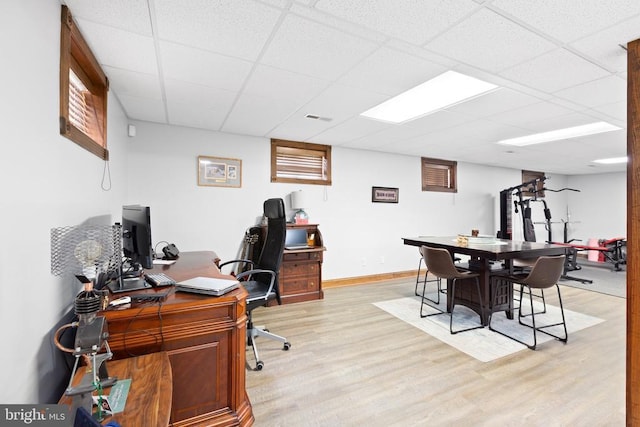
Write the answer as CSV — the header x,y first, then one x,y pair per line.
x,y
298,202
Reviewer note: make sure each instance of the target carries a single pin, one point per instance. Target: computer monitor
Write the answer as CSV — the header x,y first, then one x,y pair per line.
x,y
136,235
137,249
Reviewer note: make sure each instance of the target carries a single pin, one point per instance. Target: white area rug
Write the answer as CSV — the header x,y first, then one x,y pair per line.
x,y
484,344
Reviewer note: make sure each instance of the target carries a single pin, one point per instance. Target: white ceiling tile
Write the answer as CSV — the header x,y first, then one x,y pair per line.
x,y
349,130
129,15
309,48
480,40
130,83
604,46
121,49
410,20
151,110
237,28
603,91
281,85
391,72
617,110
198,96
257,115
521,117
332,21
554,71
202,67
341,102
568,20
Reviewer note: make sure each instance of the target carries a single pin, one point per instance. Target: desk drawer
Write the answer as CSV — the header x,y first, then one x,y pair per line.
x,y
300,269
302,256
299,285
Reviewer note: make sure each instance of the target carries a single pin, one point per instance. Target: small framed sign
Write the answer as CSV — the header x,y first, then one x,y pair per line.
x,y
219,172
384,195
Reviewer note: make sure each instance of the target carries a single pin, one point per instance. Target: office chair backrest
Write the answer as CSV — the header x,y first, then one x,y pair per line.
x,y
273,247
439,262
545,272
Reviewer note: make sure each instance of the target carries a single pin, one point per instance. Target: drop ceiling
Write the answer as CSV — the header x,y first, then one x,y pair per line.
x,y
259,67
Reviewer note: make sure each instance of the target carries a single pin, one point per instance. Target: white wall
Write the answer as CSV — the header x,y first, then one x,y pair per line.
x,y
599,210
362,238
47,181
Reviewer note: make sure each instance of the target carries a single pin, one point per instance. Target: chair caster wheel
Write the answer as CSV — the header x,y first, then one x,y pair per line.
x,y
259,366
287,346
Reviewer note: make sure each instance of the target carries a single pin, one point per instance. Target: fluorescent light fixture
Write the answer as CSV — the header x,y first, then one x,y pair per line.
x,y
555,135
440,92
611,161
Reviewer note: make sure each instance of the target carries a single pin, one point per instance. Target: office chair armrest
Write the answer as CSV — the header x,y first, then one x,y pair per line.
x,y
248,273
236,261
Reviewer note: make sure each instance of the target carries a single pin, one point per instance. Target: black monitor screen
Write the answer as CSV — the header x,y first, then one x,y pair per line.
x,y
136,235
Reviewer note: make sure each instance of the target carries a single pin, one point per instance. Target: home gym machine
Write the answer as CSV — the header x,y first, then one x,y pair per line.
x,y
535,188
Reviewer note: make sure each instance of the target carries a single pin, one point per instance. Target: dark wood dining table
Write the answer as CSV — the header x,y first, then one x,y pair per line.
x,y
487,255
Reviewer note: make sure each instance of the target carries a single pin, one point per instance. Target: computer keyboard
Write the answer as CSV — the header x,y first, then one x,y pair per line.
x,y
159,279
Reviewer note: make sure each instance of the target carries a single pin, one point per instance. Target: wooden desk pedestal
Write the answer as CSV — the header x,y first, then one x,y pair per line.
x,y
205,339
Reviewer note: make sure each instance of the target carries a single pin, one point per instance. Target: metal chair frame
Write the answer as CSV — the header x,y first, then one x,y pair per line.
x,y
541,276
440,263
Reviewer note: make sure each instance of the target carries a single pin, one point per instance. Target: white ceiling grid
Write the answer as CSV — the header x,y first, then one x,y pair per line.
x,y
258,67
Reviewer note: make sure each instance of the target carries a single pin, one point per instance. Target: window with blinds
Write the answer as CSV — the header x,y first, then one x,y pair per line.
x,y
439,175
83,91
300,162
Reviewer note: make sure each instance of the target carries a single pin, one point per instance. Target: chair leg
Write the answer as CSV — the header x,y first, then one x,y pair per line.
x,y
541,328
425,297
533,322
520,316
418,277
453,305
253,332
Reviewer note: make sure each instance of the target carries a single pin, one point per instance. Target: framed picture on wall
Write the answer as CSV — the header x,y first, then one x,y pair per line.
x,y
384,195
219,172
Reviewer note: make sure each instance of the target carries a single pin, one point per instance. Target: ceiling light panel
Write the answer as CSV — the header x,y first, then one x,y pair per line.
x,y
443,91
560,134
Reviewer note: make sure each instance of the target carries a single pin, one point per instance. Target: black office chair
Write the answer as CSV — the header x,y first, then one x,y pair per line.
x,y
261,280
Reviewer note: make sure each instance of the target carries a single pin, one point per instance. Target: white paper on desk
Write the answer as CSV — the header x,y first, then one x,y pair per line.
x,y
164,261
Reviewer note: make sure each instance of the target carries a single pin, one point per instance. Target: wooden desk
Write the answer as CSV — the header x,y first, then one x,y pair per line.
x,y
149,398
204,337
481,254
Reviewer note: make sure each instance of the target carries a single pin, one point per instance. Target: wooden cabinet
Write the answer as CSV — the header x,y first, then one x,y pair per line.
x,y
205,339
300,277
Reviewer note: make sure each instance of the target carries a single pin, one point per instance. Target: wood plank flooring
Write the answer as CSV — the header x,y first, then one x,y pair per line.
x,y
352,364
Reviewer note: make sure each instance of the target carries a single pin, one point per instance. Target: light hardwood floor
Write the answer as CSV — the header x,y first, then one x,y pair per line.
x,y
352,364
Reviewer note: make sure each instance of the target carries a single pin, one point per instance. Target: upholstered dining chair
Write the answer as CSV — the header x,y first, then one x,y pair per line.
x,y
545,274
423,279
440,264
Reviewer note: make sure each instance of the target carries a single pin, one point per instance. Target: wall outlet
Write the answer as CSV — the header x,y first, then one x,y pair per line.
x,y
364,262
381,260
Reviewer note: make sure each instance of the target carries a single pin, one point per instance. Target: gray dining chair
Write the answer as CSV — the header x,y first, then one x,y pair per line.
x,y
440,264
545,274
